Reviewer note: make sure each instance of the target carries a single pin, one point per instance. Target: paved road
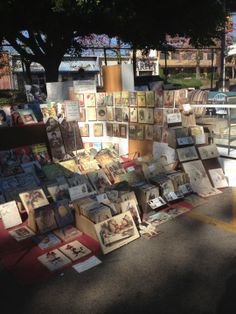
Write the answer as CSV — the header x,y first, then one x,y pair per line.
x,y
189,268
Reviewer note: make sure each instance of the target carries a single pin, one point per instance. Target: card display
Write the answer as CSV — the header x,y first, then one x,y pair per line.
x,y
75,250
54,260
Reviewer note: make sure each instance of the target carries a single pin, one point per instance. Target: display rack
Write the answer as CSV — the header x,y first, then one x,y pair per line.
x,y
231,121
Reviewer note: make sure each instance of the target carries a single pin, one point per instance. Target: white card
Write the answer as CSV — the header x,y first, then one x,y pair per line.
x,y
89,263
10,214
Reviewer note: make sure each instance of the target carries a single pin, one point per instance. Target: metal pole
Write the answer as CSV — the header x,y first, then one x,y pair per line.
x,y
212,67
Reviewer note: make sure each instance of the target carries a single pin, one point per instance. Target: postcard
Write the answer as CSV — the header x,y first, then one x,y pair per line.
x,y
140,132
168,98
72,110
33,199
54,260
125,114
142,115
21,233
158,116
187,153
149,118
133,99
46,241
89,263
116,130
27,116
78,191
116,232
117,98
118,114
82,115
10,214
75,250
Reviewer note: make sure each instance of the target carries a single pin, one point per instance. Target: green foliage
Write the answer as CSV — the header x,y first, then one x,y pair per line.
x,y
186,83
12,97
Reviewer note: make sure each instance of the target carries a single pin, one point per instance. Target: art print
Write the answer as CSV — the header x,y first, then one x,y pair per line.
x,y
100,99
187,153
218,178
149,116
99,179
101,113
149,132
110,114
33,199
132,132
140,132
91,114
118,114
116,232
123,130
168,98
124,98
117,98
108,99
208,151
84,130
109,129
133,114
45,219
75,250
116,130
141,99
82,115
141,115
130,205
157,133
133,99
150,100
98,129
54,260
90,99
125,114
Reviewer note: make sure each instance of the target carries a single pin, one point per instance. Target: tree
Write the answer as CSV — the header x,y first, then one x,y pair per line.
x,y
43,31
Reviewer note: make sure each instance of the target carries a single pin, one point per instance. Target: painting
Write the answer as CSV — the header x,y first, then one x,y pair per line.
x,y
84,130
168,98
116,232
150,100
123,130
91,114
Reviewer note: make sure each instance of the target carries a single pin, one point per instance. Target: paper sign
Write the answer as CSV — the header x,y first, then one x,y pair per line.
x,y
72,111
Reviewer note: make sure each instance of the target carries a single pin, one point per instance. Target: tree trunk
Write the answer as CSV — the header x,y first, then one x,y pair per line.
x,y
134,62
51,70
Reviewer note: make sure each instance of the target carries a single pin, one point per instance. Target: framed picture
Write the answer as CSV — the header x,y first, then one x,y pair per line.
x,y
33,199
98,129
150,100
141,115
133,99
140,132
149,116
187,153
84,130
180,97
27,116
157,87
208,151
45,218
132,132
108,99
82,115
123,130
116,130
125,114
148,132
141,98
80,98
90,99
109,129
110,114
116,232
133,114
118,114
102,114
100,99
91,114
